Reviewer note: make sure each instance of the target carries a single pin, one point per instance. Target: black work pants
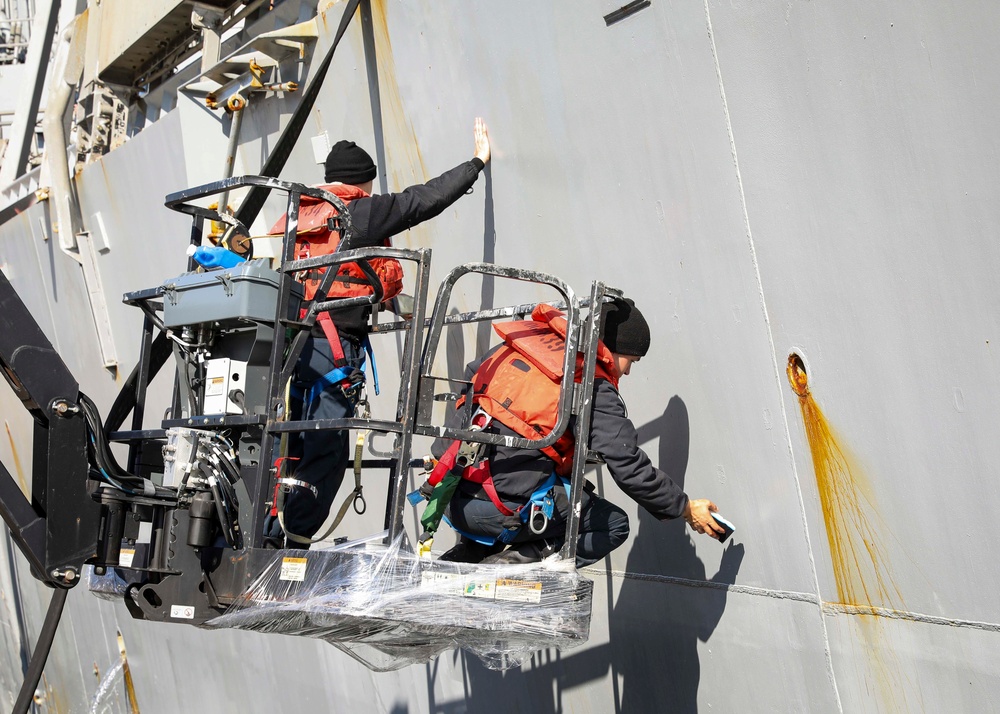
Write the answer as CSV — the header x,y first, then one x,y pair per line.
x,y
603,525
322,455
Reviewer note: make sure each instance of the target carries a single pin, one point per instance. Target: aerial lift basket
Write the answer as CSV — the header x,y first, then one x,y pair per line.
x,y
379,601
374,598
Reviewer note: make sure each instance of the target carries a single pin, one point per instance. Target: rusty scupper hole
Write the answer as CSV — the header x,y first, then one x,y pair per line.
x,y
797,376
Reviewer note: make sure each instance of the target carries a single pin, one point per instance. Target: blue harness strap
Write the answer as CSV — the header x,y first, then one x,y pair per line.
x,y
485,540
371,358
312,392
336,376
540,499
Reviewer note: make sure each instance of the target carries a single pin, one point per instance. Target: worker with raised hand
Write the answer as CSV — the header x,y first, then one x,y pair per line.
x,y
326,381
497,502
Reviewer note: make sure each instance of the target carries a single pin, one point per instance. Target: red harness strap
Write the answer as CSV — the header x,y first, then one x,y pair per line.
x,y
277,482
477,473
445,464
333,337
480,473
447,461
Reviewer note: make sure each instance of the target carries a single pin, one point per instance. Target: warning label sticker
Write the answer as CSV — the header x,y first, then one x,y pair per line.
x,y
519,590
444,583
293,569
480,587
214,386
125,557
182,612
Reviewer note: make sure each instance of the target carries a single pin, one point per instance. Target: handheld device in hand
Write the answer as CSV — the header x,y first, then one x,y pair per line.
x,y
726,525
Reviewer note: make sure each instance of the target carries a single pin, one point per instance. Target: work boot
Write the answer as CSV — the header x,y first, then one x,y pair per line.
x,y
274,537
531,552
469,551
274,543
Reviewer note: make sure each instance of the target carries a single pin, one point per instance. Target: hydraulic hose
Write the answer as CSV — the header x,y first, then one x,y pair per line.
x,y
42,648
104,466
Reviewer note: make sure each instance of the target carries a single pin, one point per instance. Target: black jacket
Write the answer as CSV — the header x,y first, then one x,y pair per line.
x,y
381,216
518,472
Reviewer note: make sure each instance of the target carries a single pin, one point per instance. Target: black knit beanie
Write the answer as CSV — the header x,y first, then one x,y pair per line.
x,y
624,329
349,163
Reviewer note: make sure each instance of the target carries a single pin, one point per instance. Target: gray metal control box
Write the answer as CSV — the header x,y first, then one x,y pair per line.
x,y
226,296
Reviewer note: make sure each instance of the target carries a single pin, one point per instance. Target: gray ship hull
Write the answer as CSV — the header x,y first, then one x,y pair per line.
x,y
763,179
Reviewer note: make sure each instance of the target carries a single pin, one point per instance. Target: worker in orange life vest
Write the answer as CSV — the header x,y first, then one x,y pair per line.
x,y
489,521
318,459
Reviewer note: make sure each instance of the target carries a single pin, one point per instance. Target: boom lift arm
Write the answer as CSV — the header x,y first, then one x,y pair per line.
x,y
57,528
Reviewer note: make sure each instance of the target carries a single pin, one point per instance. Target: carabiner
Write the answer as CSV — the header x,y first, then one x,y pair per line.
x,y
532,516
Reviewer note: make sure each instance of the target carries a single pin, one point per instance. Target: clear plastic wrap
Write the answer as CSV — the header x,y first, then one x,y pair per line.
x,y
110,586
388,608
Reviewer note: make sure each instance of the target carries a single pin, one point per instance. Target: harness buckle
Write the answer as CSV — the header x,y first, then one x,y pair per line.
x,y
507,535
470,452
352,385
511,527
287,482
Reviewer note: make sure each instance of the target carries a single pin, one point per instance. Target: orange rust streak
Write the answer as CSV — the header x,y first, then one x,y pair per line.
x,y
17,460
860,566
393,112
133,701
859,562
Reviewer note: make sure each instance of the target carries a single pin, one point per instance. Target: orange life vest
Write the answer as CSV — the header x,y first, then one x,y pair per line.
x,y
314,238
518,385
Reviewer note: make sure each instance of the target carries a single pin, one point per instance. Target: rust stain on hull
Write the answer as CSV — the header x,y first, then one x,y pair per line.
x,y
133,700
860,564
18,469
47,699
401,145
854,532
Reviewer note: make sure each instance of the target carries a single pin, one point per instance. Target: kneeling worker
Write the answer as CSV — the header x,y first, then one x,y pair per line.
x,y
489,505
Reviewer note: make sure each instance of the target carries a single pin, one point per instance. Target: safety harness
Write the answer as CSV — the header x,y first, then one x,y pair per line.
x,y
448,473
315,236
350,379
518,385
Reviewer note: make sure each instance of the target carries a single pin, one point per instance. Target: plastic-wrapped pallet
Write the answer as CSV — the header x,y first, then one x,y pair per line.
x,y
388,608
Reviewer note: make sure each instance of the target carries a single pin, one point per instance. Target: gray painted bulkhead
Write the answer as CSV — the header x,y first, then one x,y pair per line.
x,y
762,178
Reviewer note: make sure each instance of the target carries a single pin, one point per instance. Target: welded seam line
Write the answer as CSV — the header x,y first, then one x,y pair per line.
x,y
836,608
829,608
687,582
828,652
